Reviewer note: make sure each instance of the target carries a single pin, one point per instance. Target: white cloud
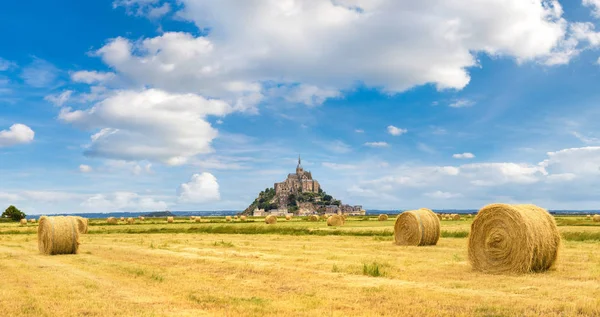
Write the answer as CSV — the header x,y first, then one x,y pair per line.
x,y
337,166
85,168
16,134
9,198
465,155
442,195
149,125
585,139
594,6
425,148
123,201
149,8
39,73
396,131
359,131
376,144
201,188
493,174
59,99
323,47
91,77
462,103
583,161
585,32
6,65
306,94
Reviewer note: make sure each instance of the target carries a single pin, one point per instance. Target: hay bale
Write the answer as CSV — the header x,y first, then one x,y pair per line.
x,y
455,217
198,219
596,218
439,216
228,218
382,217
417,227
589,217
243,218
335,221
111,220
82,224
192,218
236,217
122,218
313,218
513,239
271,219
23,222
288,217
58,235
169,219
130,221
142,218
31,220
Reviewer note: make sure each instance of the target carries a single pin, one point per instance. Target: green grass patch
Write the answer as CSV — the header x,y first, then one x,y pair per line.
x,y
374,269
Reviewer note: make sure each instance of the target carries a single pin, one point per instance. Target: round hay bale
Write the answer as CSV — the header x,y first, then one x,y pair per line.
x,y
228,218
169,219
288,217
142,218
589,217
243,218
335,221
382,217
130,221
32,220
82,224
23,222
439,216
313,218
417,227
596,218
513,239
198,219
111,220
455,217
58,235
122,218
236,217
271,219
192,218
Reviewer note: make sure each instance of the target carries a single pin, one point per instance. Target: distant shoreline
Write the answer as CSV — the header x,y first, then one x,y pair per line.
x,y
218,213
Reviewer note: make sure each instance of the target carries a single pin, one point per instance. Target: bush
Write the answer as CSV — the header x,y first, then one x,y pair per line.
x,y
13,213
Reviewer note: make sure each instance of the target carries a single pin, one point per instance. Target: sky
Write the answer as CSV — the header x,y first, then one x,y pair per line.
x,y
139,105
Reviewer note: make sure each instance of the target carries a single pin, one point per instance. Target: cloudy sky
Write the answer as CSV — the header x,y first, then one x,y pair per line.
x,y
136,105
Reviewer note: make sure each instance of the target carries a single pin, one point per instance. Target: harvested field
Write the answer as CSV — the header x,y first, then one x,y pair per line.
x,y
186,269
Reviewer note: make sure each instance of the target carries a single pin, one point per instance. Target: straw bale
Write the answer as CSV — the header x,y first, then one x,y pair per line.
x,y
130,221
58,235
243,218
170,219
513,239
288,217
23,222
271,219
335,221
228,218
111,220
596,218
417,227
82,224
382,217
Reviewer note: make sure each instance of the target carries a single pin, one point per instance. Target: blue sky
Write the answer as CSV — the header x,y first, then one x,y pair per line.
x,y
135,105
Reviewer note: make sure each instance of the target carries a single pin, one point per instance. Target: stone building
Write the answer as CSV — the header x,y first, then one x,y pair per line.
x,y
298,182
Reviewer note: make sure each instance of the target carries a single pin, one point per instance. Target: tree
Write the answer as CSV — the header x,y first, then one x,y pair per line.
x,y
327,198
13,213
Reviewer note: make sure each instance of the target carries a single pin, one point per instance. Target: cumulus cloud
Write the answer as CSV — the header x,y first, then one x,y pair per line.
x,y
91,77
594,6
149,125
396,131
59,99
85,168
123,201
377,144
313,46
201,188
16,134
465,155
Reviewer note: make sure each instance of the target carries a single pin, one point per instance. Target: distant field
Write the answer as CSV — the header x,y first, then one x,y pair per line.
x,y
294,268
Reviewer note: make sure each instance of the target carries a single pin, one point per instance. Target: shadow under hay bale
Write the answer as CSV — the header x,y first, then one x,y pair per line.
x,y
82,224
58,235
382,217
169,219
111,220
513,239
417,227
271,219
335,221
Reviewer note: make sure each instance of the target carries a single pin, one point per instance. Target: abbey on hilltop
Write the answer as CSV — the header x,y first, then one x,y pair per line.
x,y
298,194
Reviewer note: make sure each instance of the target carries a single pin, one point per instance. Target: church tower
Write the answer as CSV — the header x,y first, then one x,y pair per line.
x,y
299,169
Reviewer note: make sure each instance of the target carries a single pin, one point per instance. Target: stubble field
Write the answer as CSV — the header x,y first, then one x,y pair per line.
x,y
295,268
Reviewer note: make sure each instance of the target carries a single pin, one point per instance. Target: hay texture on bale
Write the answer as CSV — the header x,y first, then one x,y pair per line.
x,y
23,222
313,218
596,218
271,219
513,239
32,220
335,221
111,220
82,224
170,219
130,221
382,217
455,217
228,218
243,218
58,235
417,227
288,217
